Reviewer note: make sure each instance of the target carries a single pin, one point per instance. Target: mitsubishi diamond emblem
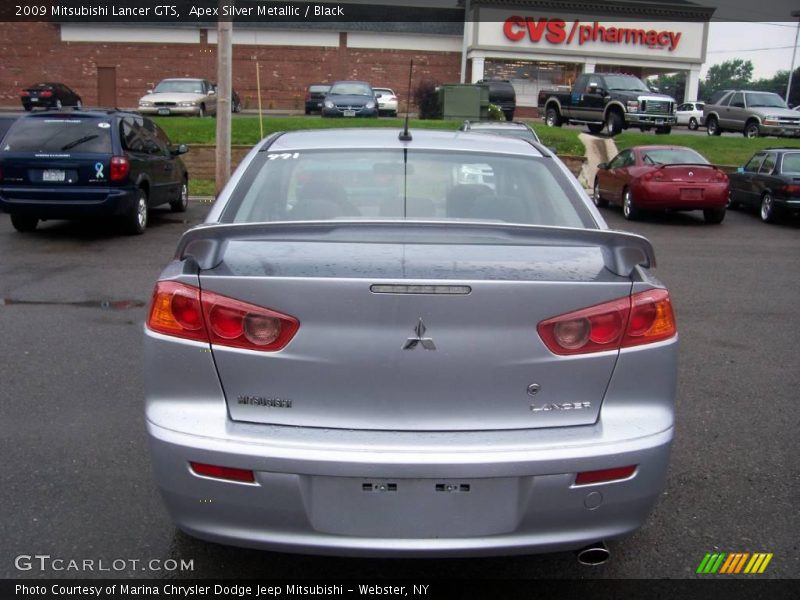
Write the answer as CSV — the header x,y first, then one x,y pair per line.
x,y
412,342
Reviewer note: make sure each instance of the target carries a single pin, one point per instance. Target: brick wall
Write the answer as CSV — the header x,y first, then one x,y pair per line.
x,y
34,52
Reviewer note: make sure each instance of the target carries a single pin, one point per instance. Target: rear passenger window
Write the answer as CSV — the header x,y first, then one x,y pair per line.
x,y
753,164
768,164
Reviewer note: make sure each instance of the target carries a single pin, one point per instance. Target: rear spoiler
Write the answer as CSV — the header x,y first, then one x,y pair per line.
x,y
622,252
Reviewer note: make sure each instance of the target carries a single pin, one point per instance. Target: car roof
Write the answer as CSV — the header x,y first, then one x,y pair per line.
x,y
663,147
351,81
387,137
383,88
183,79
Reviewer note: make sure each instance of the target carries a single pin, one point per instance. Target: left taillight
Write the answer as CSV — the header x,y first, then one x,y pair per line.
x,y
644,318
120,167
184,311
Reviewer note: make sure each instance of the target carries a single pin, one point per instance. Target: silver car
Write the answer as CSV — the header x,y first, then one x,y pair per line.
x,y
364,352
194,97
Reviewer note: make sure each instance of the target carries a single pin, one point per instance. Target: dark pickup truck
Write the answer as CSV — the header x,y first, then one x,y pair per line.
x,y
608,101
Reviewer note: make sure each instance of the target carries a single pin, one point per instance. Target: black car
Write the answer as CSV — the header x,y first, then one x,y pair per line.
x,y
89,163
770,182
315,96
350,99
49,95
502,94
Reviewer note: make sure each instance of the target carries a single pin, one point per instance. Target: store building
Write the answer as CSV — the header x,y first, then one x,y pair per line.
x,y
535,44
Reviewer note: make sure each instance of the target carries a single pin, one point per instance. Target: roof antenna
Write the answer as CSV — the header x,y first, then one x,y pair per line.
x,y
404,135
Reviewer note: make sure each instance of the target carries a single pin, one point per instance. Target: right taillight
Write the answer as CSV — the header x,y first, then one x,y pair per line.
x,y
184,311
120,167
644,318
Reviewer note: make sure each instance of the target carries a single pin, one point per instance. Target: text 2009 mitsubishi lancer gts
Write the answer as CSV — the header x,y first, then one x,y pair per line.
x,y
409,345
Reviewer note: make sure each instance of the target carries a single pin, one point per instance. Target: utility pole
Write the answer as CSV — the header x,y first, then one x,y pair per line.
x,y
224,70
464,43
796,15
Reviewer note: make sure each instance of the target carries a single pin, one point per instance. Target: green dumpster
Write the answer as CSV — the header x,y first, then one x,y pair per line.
x,y
464,101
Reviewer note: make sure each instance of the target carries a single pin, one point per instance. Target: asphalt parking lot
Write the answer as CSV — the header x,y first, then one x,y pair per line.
x,y
77,483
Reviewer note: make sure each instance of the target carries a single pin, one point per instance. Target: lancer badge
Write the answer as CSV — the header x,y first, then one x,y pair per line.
x,y
412,342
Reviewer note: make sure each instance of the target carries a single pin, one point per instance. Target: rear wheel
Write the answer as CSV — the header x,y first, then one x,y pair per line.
x,y
751,130
136,221
78,104
693,124
24,223
182,202
202,111
629,209
714,216
768,212
595,127
614,123
59,106
732,204
712,126
665,130
596,198
552,118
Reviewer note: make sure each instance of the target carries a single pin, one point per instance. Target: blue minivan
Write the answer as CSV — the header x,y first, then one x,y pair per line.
x,y
89,163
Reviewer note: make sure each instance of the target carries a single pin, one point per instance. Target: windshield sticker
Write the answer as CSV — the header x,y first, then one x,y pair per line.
x,y
283,156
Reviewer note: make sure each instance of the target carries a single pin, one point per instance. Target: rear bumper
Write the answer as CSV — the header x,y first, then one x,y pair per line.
x,y
660,196
309,494
66,203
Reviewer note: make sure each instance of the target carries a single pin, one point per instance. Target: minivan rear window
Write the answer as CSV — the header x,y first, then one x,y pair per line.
x,y
59,134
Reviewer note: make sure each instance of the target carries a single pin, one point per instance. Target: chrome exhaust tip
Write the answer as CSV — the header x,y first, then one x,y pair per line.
x,y
593,554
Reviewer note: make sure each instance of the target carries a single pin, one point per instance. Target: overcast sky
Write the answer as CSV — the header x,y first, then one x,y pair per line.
x,y
749,41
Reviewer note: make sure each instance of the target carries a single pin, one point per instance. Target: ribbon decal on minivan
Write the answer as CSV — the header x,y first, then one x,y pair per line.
x,y
98,167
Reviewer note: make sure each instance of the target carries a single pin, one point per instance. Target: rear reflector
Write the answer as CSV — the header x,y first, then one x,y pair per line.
x,y
184,311
229,473
643,318
605,475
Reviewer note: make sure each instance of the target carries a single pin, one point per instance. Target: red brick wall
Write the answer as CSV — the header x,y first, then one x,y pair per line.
x,y
34,52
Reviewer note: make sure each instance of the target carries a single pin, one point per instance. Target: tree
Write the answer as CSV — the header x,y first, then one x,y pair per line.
x,y
673,84
731,74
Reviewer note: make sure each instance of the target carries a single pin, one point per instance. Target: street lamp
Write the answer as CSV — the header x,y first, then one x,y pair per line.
x,y
796,15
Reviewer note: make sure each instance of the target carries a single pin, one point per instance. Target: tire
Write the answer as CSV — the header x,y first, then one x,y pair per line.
x,y
712,126
509,114
751,130
59,105
79,104
202,112
693,125
614,123
732,204
767,211
28,108
629,209
308,111
24,223
665,130
136,220
182,203
714,216
595,127
552,118
596,198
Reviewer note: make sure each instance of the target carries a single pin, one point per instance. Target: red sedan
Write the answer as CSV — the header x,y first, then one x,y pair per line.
x,y
662,177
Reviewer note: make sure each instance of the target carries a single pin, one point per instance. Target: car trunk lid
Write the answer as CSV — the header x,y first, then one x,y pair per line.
x,y
400,331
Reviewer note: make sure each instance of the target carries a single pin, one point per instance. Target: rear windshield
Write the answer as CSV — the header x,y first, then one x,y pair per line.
x,y
319,89
672,156
69,134
428,185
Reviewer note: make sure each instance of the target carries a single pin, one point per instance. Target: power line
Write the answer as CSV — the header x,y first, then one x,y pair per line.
x,y
748,49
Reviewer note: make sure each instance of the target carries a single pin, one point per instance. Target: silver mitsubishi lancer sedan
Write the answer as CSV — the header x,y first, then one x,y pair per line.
x,y
418,344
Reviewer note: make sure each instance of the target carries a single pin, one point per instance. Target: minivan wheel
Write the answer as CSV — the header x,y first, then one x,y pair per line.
x,y
136,221
713,216
182,203
24,223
